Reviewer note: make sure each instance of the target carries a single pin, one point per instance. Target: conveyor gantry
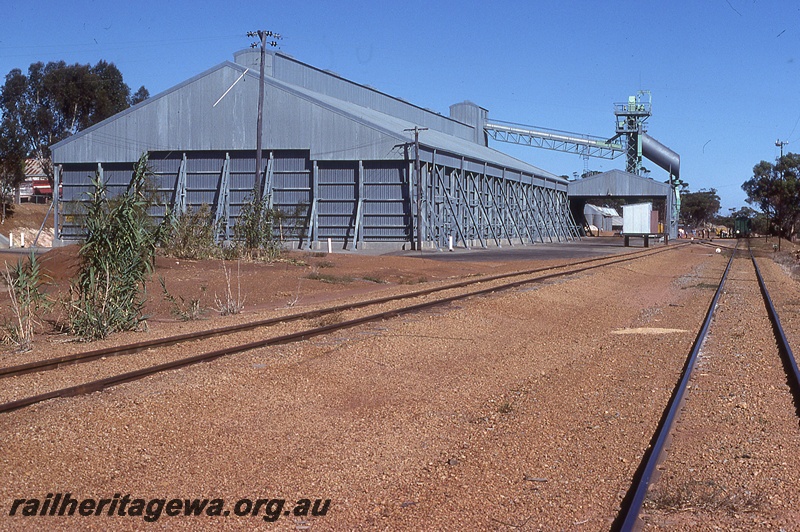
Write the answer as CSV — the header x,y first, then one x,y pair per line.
x,y
630,139
551,139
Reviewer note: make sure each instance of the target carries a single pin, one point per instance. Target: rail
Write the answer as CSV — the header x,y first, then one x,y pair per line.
x,y
88,356
631,507
101,384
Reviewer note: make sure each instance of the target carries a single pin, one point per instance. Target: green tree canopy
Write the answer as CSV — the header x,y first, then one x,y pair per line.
x,y
140,95
775,189
697,208
52,102
12,158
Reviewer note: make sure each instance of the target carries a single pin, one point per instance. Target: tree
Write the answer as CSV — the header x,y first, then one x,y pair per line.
x,y
775,190
54,101
12,165
12,161
140,95
700,207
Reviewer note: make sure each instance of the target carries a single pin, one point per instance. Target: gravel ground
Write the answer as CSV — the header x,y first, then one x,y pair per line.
x,y
523,410
733,463
526,409
299,281
75,374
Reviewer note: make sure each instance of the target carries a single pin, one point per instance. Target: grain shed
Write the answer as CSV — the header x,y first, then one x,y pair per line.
x,y
338,162
624,187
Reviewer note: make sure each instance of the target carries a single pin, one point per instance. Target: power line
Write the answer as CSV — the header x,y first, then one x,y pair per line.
x,y
789,136
119,44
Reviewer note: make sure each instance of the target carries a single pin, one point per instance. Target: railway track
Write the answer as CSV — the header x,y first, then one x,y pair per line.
x,y
679,431
401,304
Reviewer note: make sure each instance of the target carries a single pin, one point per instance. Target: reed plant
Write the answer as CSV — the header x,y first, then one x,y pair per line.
x,y
116,259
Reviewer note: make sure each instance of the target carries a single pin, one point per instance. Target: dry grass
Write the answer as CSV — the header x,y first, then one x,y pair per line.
x,y
330,319
330,279
707,496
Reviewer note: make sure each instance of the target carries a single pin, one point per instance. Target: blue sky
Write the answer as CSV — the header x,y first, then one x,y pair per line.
x,y
724,74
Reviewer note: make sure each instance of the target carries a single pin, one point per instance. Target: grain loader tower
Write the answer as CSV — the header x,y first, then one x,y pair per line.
x,y
630,138
631,119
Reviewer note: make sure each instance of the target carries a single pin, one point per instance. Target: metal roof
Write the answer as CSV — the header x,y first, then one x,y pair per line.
x,y
617,183
34,169
289,70
398,128
595,209
332,117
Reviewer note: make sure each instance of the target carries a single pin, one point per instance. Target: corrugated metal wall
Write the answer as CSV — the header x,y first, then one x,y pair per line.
x,y
336,209
292,181
387,212
350,202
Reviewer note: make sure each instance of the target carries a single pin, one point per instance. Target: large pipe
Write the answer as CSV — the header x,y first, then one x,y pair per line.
x,y
671,162
661,155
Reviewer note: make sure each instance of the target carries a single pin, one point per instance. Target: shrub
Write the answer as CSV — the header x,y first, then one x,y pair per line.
x,y
229,305
254,232
190,235
25,282
330,279
115,260
181,308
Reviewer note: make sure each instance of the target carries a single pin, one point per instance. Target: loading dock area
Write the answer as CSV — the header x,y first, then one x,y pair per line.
x,y
646,237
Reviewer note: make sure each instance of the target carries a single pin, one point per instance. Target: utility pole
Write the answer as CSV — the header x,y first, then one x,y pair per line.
x,y
418,180
262,37
781,143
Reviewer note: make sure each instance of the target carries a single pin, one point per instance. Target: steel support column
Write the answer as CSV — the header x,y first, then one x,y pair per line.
x,y
179,194
555,210
413,204
469,208
313,231
268,178
541,209
522,211
481,196
57,169
509,209
429,204
566,216
453,212
359,203
438,217
222,210
494,183
533,207
550,218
